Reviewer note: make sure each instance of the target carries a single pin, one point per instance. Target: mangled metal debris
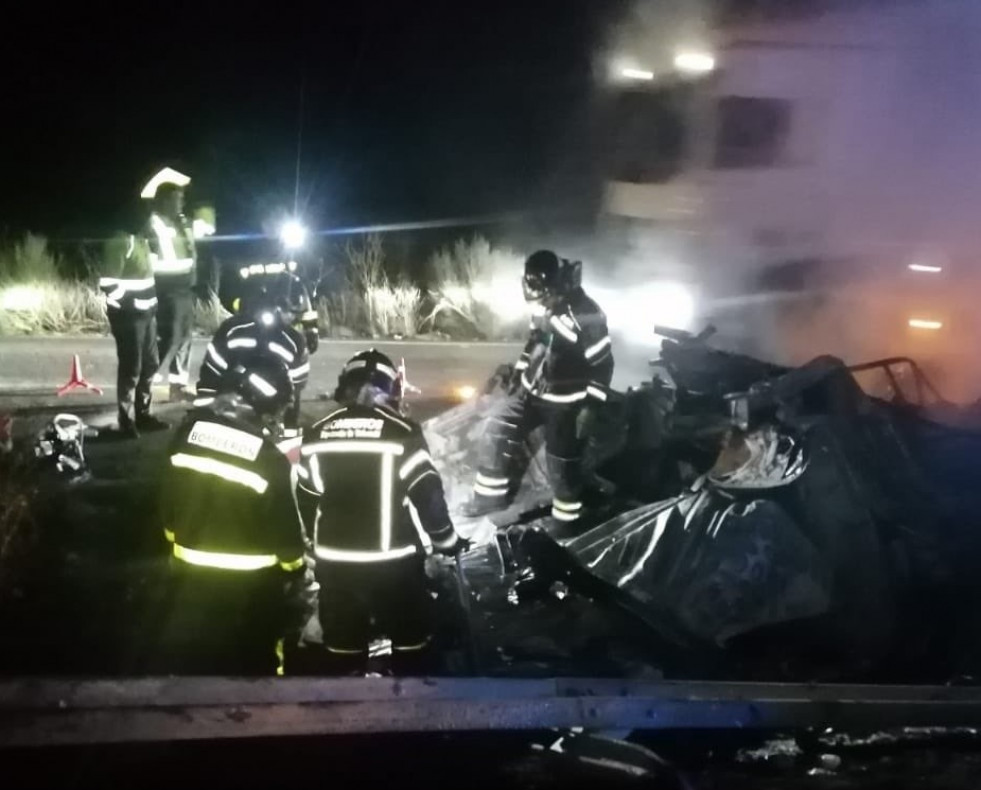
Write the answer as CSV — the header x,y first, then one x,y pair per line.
x,y
737,500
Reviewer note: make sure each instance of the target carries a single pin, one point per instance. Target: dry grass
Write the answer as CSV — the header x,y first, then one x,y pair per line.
x,y
209,315
56,307
478,286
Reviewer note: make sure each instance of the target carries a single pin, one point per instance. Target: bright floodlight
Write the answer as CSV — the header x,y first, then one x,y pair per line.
x,y
292,234
637,74
465,391
694,62
922,267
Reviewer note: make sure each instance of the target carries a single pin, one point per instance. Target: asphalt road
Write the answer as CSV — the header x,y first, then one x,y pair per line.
x,y
31,368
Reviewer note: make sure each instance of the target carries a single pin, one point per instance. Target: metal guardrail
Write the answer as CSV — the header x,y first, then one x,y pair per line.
x,y
42,712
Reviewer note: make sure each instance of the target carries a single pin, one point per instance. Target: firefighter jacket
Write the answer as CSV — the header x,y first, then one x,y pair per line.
x,y
228,498
241,336
568,356
172,254
126,276
368,489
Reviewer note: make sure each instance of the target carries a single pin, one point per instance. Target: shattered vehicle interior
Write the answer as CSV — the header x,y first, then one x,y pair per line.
x,y
749,521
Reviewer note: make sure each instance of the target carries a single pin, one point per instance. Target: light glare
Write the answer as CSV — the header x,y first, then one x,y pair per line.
x,y
922,267
23,298
923,323
465,392
637,74
694,62
293,234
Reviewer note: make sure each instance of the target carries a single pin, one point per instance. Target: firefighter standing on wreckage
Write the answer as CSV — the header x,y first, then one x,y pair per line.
x,y
367,491
566,365
272,315
228,507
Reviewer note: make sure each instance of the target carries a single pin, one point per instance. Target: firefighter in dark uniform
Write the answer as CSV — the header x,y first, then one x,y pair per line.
x,y
174,262
368,491
265,321
229,511
566,365
131,306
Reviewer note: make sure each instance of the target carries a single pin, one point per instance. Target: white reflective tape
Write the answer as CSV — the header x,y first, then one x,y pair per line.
x,y
596,392
572,397
242,342
561,515
210,466
300,370
490,492
492,481
173,266
569,507
422,477
129,285
367,446
244,272
292,266
199,402
302,472
355,364
118,293
235,329
387,470
200,228
228,562
318,481
521,364
598,346
416,521
131,245
145,304
277,349
413,462
289,443
224,439
217,358
256,268
343,555
562,329
390,372
262,385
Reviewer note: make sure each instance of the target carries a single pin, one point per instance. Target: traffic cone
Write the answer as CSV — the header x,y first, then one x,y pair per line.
x,y
76,381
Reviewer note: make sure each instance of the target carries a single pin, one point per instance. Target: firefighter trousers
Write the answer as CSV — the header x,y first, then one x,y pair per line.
x,y
135,334
359,601
175,316
502,458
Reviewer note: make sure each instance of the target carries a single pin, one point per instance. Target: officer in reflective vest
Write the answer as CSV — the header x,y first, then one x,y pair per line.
x,y
230,514
566,364
174,260
263,323
131,306
369,492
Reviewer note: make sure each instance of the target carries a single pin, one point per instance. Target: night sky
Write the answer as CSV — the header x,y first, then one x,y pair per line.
x,y
411,110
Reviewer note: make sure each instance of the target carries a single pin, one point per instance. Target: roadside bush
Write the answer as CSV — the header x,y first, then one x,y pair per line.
x,y
370,304
478,286
209,314
56,307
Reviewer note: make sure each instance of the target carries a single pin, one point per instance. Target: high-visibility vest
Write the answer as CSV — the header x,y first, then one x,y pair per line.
x,y
172,254
127,279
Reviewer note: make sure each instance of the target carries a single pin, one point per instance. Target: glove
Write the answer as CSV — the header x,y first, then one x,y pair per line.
x,y
462,546
313,341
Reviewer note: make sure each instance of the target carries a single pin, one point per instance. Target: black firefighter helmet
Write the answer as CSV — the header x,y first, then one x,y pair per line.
x,y
369,368
263,381
547,276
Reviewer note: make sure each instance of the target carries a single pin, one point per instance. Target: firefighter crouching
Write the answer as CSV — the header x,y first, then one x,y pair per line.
x,y
367,490
566,364
131,306
271,316
230,514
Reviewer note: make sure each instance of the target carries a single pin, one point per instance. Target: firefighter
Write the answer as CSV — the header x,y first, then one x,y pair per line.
x,y
131,306
229,511
174,262
566,365
367,491
264,322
